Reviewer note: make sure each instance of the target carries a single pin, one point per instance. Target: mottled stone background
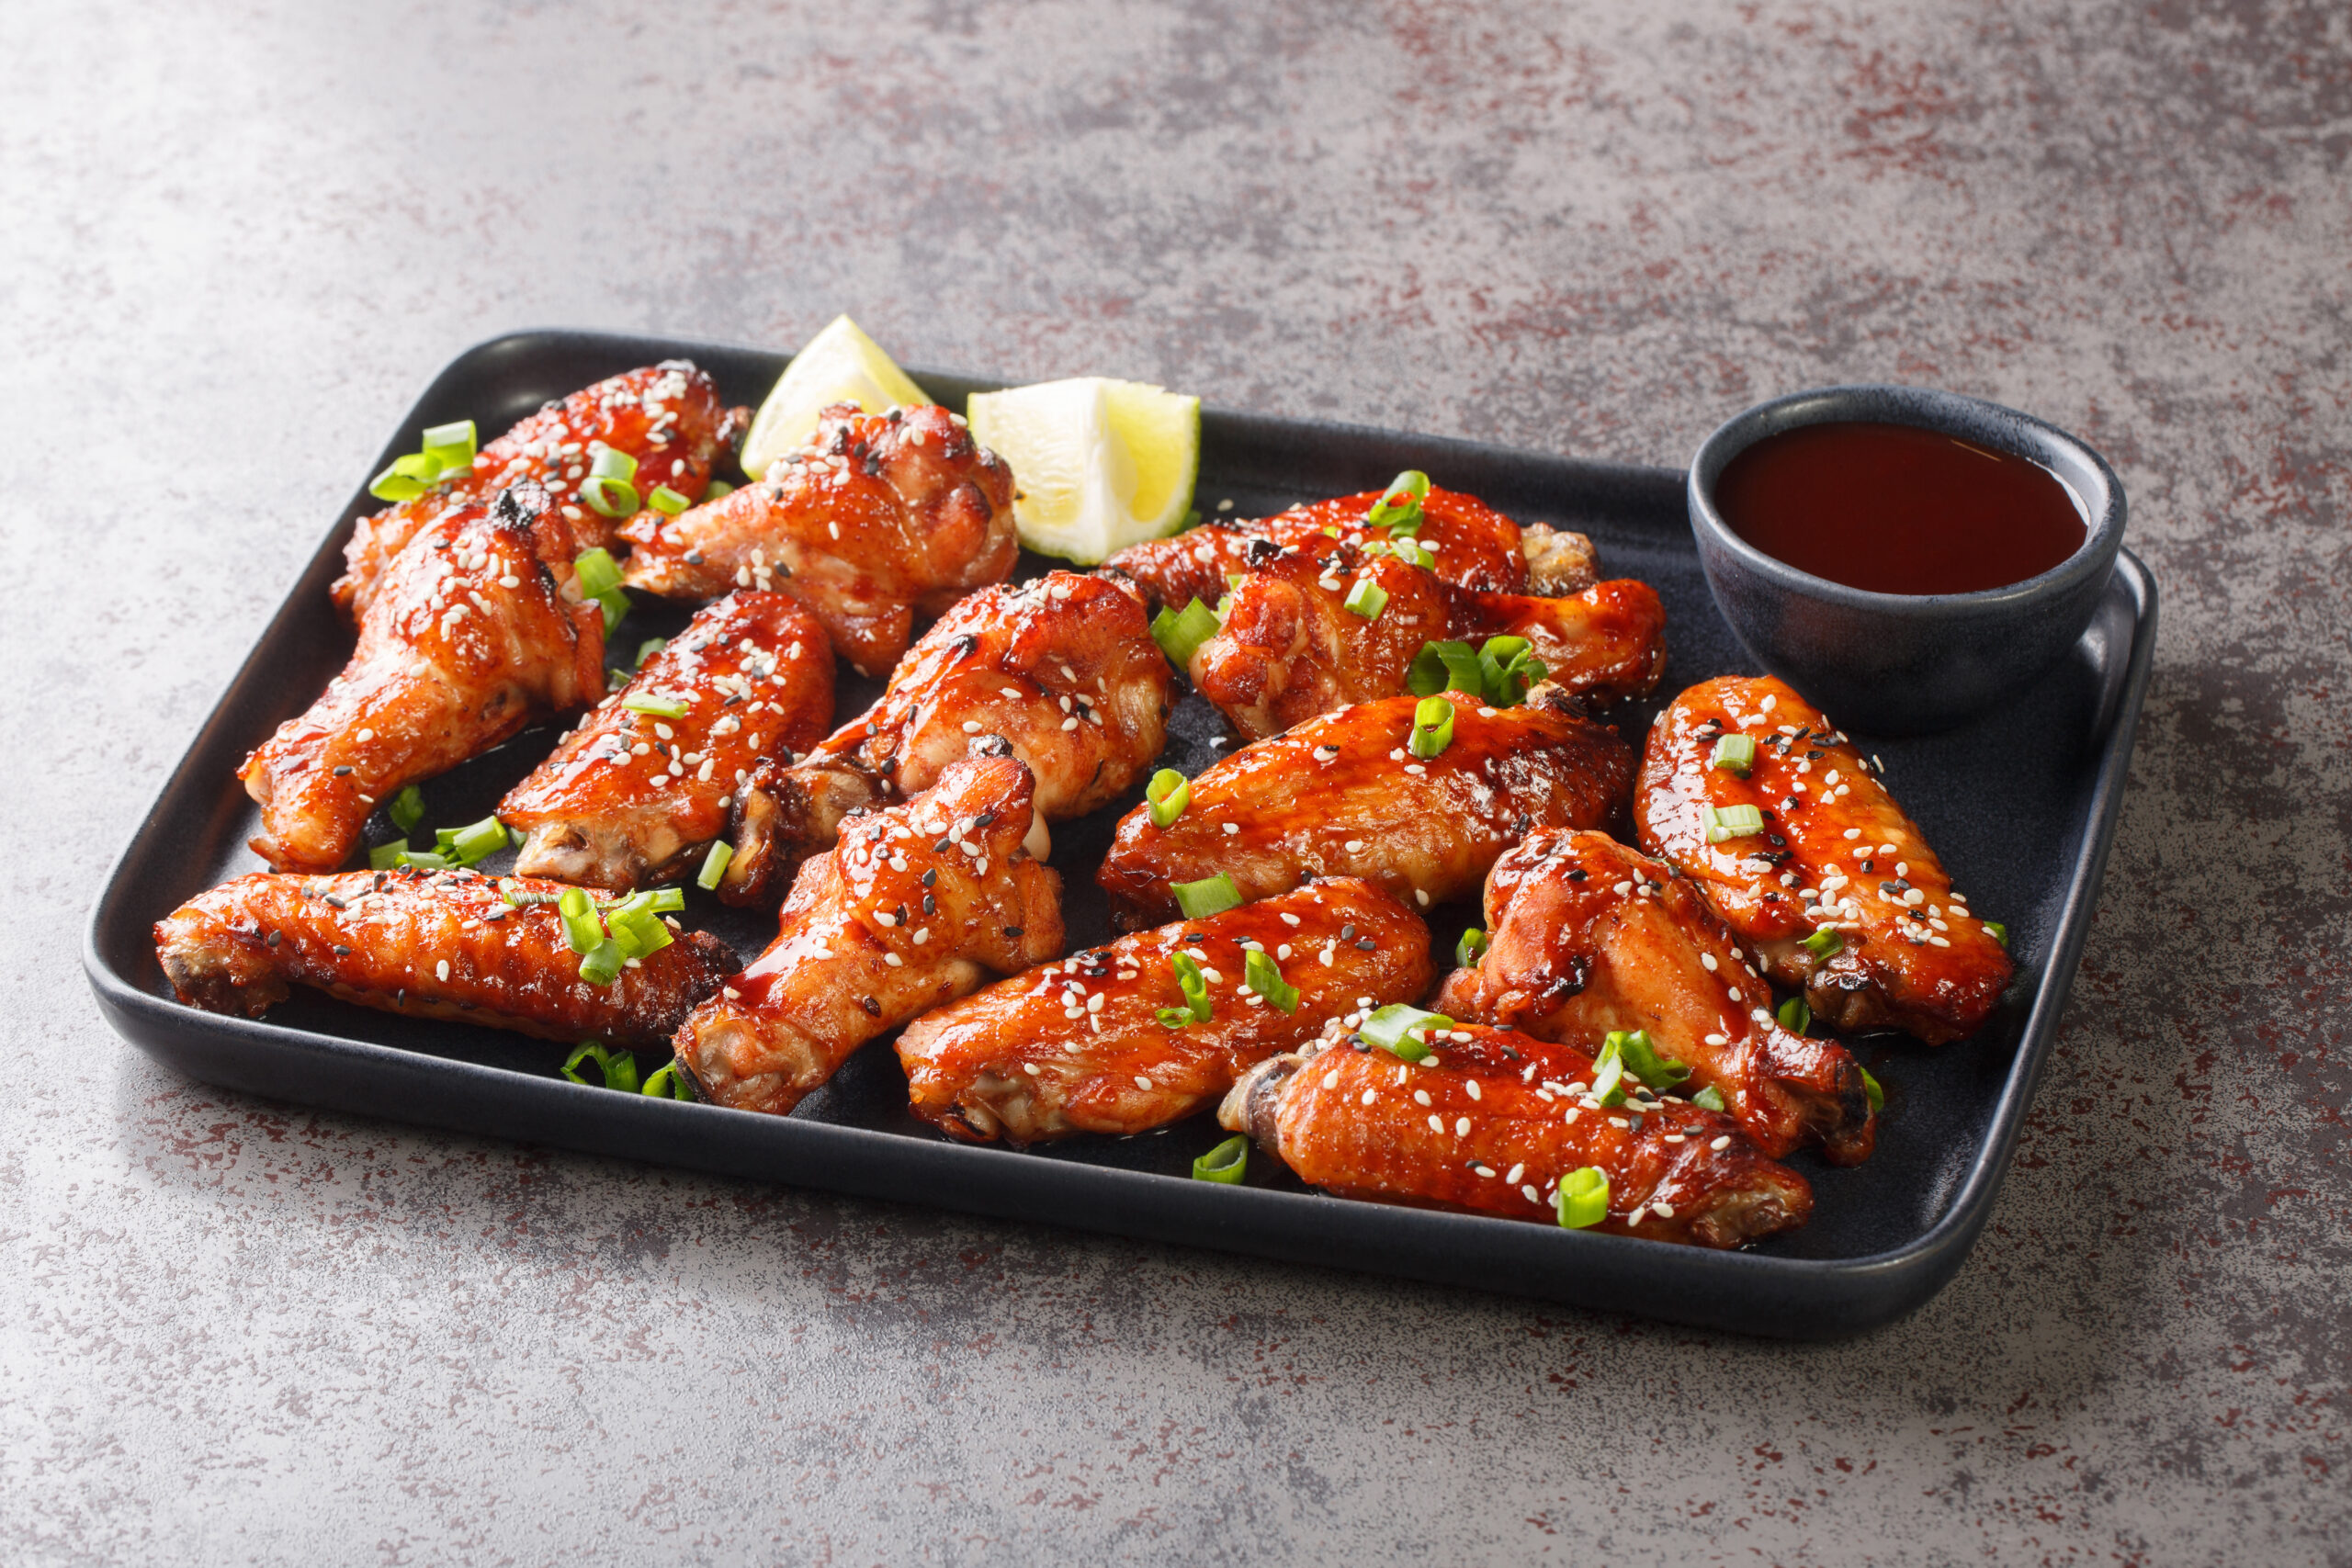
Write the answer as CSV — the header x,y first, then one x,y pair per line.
x,y
240,237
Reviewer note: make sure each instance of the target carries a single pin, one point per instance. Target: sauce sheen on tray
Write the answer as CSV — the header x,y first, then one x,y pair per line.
x,y
1894,509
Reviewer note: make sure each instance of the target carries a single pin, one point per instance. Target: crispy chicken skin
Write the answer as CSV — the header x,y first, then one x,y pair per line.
x,y
627,798
918,905
1492,1121
1341,795
441,945
1078,1046
1589,936
881,517
667,416
1836,851
477,627
1603,644
1063,667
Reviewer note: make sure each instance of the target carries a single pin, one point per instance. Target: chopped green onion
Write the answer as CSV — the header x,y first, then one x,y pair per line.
x,y
517,835
598,572
1398,509
449,447
719,489
1367,599
1583,1198
416,859
670,900
609,498
1393,1028
1736,753
1432,727
1262,974
1444,667
516,893
667,502
615,606
1708,1098
1209,895
1506,668
1609,1071
384,857
618,1067
668,1083
582,928
395,486
1998,931
1228,1162
1178,632
1731,822
603,463
1795,1017
659,706
407,810
1169,792
602,965
1642,1060
1175,1018
1471,948
477,840
1194,984
649,647
1825,944
1870,1087
637,926
714,866
1412,552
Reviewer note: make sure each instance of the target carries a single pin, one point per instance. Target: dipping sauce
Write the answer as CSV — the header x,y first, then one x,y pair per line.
x,y
1894,509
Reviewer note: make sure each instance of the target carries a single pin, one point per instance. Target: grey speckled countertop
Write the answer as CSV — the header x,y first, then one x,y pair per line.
x,y
240,238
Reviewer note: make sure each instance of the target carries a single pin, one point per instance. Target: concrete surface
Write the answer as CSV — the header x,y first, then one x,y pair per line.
x,y
240,237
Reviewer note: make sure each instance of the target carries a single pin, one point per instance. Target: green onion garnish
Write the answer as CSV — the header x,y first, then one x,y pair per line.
x,y
395,486
1641,1057
714,866
1731,822
1209,895
1444,667
1583,1198
718,489
1506,668
384,857
1228,1162
668,1083
1392,1029
601,964
637,926
475,841
618,1067
1609,1071
1736,753
610,498
667,502
1367,599
649,647
1169,792
1175,1018
603,463
449,447
616,608
599,574
1825,944
1195,986
671,899
407,810
1398,509
580,927
659,706
1795,1017
1262,974
1998,931
1432,727
1708,1098
1870,1087
1470,949
1412,552
1178,632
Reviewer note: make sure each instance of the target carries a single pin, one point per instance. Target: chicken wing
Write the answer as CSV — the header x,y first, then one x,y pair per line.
x,y
1603,644
1587,936
475,629
444,944
917,905
881,517
1080,1046
1064,667
1492,1121
627,798
1341,795
1839,894
668,417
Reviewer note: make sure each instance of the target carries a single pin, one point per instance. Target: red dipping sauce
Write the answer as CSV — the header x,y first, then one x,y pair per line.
x,y
1894,509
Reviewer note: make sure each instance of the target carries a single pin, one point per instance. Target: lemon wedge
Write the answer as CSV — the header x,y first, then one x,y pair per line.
x,y
840,365
1097,465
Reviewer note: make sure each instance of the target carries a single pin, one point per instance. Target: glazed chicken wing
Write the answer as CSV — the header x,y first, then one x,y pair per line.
x,y
1341,795
1063,667
443,945
1897,947
476,628
1081,1046
1603,644
918,905
667,416
881,517
1492,1121
1587,936
627,798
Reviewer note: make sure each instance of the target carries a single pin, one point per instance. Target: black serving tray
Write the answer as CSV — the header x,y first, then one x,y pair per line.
x,y
2021,805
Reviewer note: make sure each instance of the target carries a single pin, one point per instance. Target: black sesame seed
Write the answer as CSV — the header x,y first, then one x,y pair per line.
x,y
931,878
872,1008
1013,931
340,951
339,773
273,939
930,904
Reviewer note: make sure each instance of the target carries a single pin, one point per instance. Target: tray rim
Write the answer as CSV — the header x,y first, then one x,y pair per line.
x,y
1767,1295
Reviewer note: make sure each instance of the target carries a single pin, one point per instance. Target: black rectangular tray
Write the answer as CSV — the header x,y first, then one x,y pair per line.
x,y
2021,805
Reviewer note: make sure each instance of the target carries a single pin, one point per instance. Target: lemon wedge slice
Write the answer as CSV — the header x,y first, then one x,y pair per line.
x,y
1097,465
840,365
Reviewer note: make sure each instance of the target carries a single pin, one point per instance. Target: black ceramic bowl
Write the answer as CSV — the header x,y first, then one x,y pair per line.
x,y
1904,663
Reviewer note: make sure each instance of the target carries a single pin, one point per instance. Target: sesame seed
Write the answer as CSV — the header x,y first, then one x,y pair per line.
x,y
1721,1144
1462,1126
1437,1123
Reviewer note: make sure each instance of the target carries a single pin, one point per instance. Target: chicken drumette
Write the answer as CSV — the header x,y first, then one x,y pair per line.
x,y
1342,795
644,781
917,905
668,417
1605,643
1839,893
477,627
881,517
1589,936
1064,667
445,944
1106,1042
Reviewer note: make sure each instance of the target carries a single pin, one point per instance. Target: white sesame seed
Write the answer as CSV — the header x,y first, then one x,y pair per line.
x,y
894,961
1472,1087
1331,1078
441,970
1142,1082
1462,1126
1437,1123
1421,1097
1367,1097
